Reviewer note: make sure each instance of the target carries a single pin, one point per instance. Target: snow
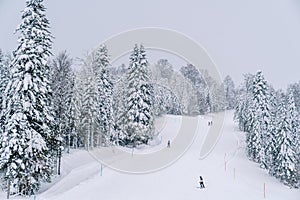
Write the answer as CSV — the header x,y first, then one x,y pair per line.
x,y
238,179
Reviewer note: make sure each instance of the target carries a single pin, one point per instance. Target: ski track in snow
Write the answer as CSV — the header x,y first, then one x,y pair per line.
x,y
81,177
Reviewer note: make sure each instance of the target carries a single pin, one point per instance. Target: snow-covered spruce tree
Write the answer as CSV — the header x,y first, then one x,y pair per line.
x,y
90,119
277,98
286,161
4,76
295,88
78,133
241,109
119,100
248,113
293,117
230,93
139,126
254,142
26,134
119,95
104,89
262,119
280,124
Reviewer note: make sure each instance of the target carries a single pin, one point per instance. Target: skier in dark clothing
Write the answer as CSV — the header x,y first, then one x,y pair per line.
x,y
169,144
201,182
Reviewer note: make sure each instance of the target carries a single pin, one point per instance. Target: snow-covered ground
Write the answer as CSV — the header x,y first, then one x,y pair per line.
x,y
227,173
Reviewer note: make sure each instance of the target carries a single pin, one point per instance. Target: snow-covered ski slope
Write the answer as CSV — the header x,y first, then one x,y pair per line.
x,y
237,179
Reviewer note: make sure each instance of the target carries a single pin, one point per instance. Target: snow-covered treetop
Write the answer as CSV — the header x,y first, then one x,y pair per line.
x,y
101,58
138,65
35,35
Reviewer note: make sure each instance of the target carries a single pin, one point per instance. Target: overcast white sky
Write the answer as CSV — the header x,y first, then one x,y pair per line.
x,y
240,36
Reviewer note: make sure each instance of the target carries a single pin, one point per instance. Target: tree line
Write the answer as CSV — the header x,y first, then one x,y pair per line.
x,y
270,119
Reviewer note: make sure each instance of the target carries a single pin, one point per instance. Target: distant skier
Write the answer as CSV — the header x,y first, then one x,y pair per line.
x,y
169,144
201,182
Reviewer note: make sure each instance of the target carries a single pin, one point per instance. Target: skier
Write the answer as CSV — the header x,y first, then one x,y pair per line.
x,y
169,144
201,182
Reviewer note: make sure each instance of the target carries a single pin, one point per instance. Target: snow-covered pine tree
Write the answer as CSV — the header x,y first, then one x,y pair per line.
x,y
4,76
261,110
230,93
26,134
280,124
78,133
277,98
240,109
295,88
293,117
104,89
250,118
254,142
119,100
292,93
139,119
90,120
286,161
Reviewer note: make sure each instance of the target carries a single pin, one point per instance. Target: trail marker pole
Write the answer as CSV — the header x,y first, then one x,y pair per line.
x,y
265,192
101,169
132,152
234,173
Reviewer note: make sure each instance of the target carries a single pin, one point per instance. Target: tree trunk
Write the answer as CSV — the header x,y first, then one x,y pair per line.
x,y
88,139
69,142
8,189
59,151
59,161
92,133
98,140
